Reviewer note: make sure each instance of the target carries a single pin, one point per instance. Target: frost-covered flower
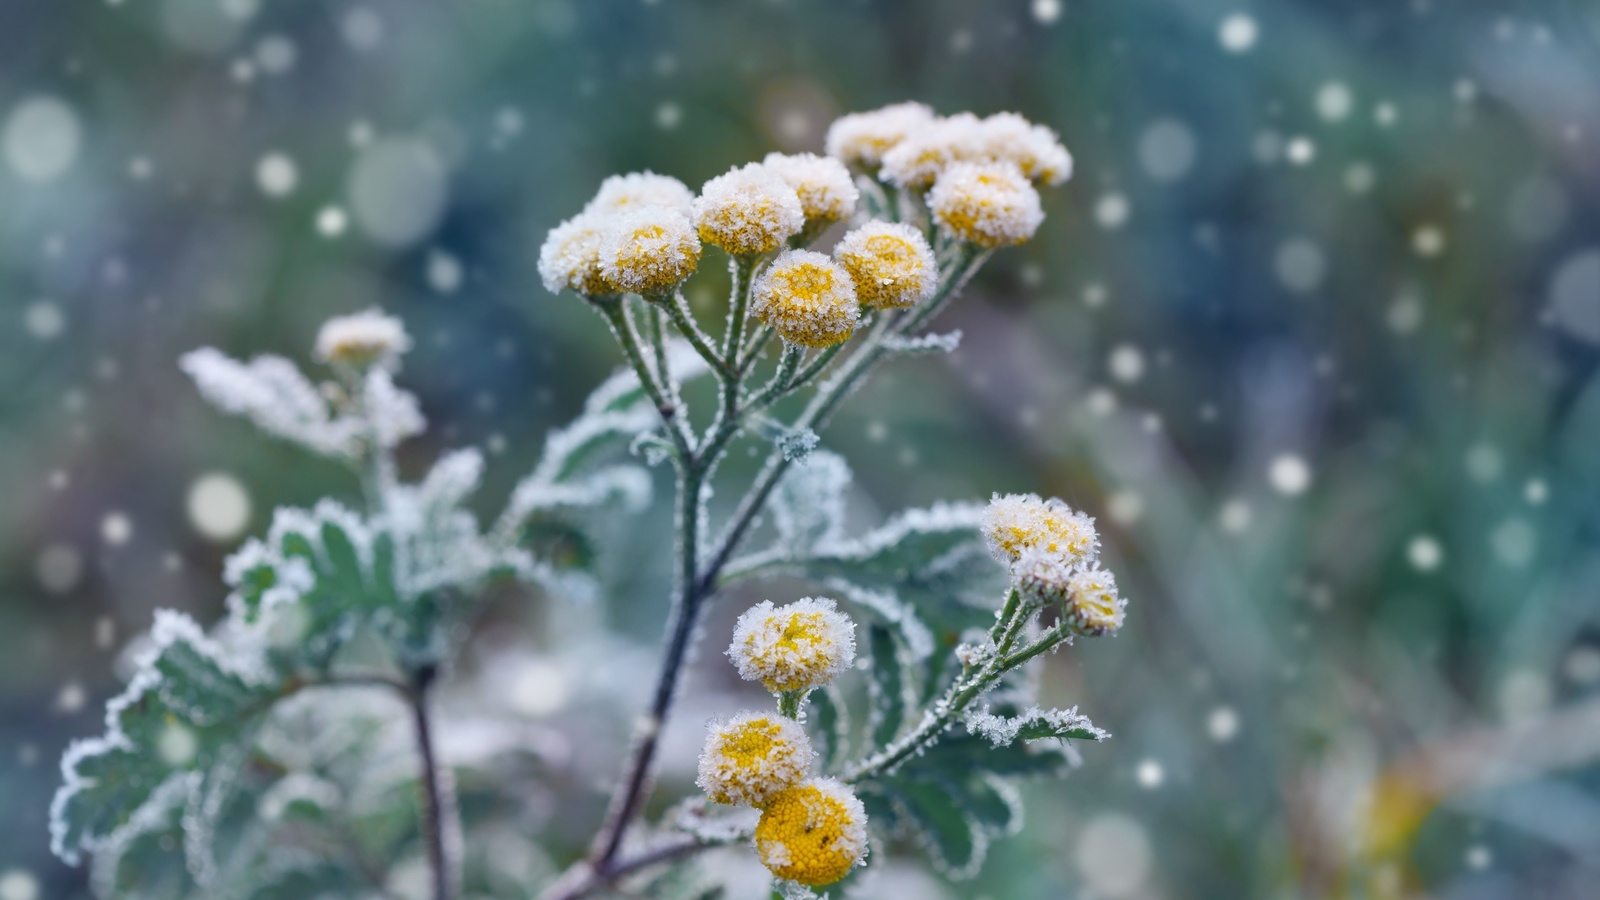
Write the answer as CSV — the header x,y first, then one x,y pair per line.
x,y
362,339
800,646
570,257
988,204
861,139
928,151
1015,524
827,192
649,250
1034,149
1042,576
625,193
890,263
751,757
814,833
748,210
1093,606
807,298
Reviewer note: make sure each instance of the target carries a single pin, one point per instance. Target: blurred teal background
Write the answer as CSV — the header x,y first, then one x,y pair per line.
x,y
1314,332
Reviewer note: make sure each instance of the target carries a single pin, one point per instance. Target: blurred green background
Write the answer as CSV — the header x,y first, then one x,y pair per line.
x,y
1314,332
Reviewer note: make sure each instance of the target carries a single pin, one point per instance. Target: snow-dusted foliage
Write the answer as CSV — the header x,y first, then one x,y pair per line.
x,y
284,748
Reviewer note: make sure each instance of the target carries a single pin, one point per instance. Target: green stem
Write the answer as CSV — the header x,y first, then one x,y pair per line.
x,y
790,702
678,308
616,316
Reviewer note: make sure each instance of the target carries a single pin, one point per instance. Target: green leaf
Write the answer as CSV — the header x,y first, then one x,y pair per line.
x,y
181,712
830,726
951,836
888,687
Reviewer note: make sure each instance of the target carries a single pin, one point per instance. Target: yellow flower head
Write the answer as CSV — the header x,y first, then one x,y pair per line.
x,y
988,204
928,151
1018,523
362,339
814,834
1093,606
803,645
827,192
751,757
891,264
635,190
807,298
649,250
1034,149
570,257
861,139
748,210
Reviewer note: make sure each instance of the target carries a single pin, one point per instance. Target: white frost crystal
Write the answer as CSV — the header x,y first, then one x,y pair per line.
x,y
570,257
625,193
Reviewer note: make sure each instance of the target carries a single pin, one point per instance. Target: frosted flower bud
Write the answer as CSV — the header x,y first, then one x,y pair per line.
x,y
1092,605
1034,149
987,204
751,757
1018,523
861,139
748,210
891,264
807,298
363,339
624,193
570,257
649,250
1042,576
800,646
927,152
814,833
827,192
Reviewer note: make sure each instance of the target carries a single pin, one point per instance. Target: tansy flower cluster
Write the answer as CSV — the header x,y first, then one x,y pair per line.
x,y
635,235
1053,554
812,830
978,175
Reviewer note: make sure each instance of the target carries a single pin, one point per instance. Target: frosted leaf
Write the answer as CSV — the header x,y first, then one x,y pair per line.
x,y
808,506
273,394
1036,723
891,609
925,343
391,414
653,448
797,445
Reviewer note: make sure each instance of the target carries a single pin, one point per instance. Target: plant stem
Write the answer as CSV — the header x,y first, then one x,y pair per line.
x,y
697,579
435,803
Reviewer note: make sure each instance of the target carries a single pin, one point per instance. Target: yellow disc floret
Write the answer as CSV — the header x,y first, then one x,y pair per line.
x,y
751,757
803,645
747,211
814,834
807,298
649,250
1017,523
891,264
1093,606
987,204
